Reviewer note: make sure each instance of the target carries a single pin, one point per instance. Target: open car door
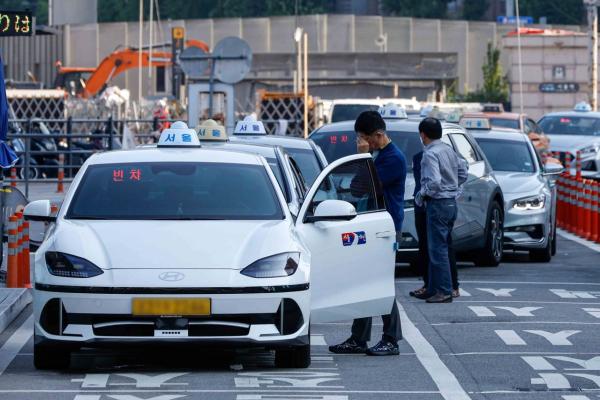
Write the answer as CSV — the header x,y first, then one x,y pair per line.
x,y
351,237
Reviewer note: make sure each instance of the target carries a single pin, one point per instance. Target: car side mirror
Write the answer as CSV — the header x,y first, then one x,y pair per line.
x,y
552,168
332,210
39,210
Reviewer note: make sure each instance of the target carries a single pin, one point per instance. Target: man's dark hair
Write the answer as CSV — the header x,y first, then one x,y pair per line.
x,y
431,127
369,122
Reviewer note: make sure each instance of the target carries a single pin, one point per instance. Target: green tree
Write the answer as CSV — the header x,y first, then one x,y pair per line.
x,y
416,8
495,84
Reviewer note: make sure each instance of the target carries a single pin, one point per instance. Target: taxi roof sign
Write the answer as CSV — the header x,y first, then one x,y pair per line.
x,y
211,130
582,106
249,126
178,135
453,117
392,111
475,123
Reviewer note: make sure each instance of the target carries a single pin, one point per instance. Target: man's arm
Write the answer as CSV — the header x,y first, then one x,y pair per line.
x,y
463,170
431,179
390,170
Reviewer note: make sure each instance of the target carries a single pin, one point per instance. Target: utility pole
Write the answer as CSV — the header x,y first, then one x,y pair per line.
x,y
592,14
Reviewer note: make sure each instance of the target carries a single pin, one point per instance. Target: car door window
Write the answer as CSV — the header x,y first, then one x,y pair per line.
x,y
351,182
301,188
464,148
446,139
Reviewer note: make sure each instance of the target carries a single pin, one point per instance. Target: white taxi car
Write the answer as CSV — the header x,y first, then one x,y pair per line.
x,y
191,245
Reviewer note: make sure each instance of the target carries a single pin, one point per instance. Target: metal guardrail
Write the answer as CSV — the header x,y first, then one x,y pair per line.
x,y
40,152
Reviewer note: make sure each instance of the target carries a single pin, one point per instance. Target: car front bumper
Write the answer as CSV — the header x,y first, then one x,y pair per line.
x,y
264,316
525,230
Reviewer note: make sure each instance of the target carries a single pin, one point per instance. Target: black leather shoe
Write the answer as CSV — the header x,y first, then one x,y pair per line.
x,y
350,346
418,291
423,295
440,298
384,348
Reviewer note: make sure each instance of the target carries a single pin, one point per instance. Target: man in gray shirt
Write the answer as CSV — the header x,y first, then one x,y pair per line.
x,y
442,174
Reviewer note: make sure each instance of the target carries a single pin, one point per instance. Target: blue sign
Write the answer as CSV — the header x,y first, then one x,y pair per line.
x,y
501,19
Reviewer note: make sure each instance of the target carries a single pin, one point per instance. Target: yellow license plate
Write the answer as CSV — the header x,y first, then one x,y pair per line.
x,y
171,307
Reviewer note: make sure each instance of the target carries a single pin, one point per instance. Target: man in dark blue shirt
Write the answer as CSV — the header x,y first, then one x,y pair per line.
x,y
390,164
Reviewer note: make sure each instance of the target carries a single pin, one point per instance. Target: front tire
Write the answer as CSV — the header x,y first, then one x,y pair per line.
x,y
51,357
491,254
295,357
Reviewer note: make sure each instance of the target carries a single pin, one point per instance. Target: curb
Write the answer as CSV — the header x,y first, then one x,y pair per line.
x,y
12,305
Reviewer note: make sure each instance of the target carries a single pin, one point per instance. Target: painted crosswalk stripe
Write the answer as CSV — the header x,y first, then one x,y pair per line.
x,y
444,379
317,340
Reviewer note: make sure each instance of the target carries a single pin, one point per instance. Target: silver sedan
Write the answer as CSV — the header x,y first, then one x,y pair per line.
x,y
529,192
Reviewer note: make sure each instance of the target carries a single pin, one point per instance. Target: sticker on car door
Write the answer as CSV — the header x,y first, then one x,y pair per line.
x,y
348,238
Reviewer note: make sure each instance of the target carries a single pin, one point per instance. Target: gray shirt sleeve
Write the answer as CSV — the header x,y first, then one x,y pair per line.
x,y
463,170
431,178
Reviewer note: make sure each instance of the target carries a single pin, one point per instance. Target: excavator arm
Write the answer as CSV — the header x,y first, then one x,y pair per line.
x,y
122,60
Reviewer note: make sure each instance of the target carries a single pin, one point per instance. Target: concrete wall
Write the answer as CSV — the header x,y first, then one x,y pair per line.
x,y
540,54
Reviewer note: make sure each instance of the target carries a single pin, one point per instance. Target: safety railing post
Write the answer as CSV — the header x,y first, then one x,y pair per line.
x,y
69,144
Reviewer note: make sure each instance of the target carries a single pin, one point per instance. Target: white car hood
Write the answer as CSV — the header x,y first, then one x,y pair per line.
x,y
518,182
571,142
173,244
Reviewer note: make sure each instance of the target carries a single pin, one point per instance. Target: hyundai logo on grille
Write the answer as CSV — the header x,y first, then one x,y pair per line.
x,y
171,276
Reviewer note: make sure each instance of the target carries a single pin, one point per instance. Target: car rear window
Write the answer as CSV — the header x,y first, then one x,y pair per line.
x,y
504,123
341,144
570,125
507,155
175,191
347,112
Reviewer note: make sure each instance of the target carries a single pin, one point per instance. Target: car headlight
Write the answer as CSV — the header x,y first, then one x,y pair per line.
x,y
591,149
68,266
530,203
279,265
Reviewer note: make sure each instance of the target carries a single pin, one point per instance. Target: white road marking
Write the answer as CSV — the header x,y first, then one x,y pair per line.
x,y
562,303
556,339
539,363
575,397
498,292
575,294
288,396
149,391
444,379
576,239
594,312
512,353
481,311
552,381
593,364
518,283
15,343
317,340
510,338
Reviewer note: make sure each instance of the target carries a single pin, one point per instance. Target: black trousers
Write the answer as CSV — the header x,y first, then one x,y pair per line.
x,y
392,328
423,256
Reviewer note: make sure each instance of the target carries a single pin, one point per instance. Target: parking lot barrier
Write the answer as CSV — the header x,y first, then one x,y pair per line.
x,y
61,173
12,267
13,177
595,212
580,208
20,259
25,268
578,165
559,200
572,217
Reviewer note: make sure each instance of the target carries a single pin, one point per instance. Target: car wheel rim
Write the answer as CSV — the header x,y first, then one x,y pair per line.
x,y
496,232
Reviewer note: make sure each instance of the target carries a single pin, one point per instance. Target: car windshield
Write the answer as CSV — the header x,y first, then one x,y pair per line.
x,y
307,162
570,125
507,155
340,144
504,123
173,191
347,112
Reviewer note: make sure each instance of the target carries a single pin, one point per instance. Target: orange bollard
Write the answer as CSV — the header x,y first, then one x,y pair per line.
x,y
573,204
13,177
25,271
587,209
568,203
12,266
559,200
580,208
20,259
594,212
61,173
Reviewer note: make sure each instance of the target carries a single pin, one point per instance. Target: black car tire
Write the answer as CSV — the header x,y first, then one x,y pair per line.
x,y
542,255
491,254
293,357
51,357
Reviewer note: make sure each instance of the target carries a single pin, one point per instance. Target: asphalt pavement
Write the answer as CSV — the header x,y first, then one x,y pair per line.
x,y
520,331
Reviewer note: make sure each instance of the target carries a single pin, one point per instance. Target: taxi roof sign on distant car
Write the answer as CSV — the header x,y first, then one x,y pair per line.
x,y
475,123
211,130
178,135
453,117
582,106
392,111
249,126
